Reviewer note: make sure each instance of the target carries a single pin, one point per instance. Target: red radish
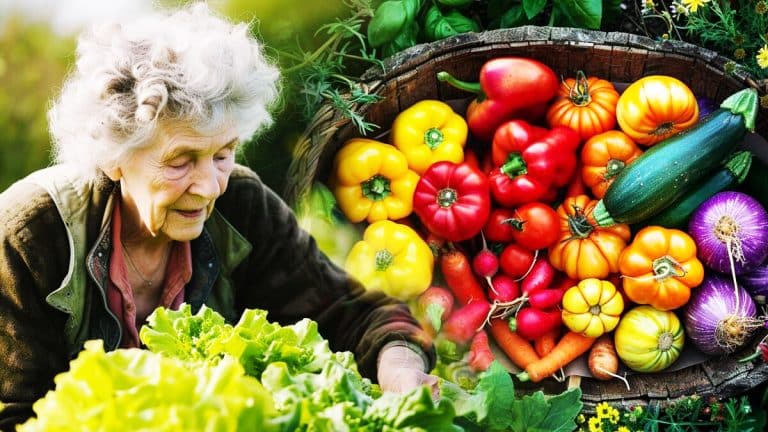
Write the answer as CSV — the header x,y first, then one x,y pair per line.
x,y
459,277
546,298
480,355
435,305
464,322
515,260
540,277
485,264
531,323
506,289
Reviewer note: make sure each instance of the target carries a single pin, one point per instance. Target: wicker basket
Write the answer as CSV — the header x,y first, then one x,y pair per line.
x,y
409,77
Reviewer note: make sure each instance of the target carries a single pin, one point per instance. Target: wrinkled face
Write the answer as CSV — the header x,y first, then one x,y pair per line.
x,y
169,187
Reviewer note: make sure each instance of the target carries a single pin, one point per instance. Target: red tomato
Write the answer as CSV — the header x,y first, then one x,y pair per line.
x,y
498,227
515,260
537,226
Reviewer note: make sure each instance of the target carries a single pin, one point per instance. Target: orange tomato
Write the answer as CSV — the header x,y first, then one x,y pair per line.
x,y
660,267
603,157
586,105
656,107
586,250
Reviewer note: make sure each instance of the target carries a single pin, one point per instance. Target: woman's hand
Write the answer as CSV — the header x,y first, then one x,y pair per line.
x,y
401,369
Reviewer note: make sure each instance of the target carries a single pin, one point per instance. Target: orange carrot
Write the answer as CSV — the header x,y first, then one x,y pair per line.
x,y
458,274
603,360
544,344
519,350
570,346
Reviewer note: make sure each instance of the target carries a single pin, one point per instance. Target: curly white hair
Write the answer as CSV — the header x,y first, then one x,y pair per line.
x,y
190,65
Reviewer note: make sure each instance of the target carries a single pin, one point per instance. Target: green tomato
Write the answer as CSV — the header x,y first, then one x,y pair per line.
x,y
649,340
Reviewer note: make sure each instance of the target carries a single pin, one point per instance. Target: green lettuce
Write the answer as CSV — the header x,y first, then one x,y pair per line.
x,y
138,390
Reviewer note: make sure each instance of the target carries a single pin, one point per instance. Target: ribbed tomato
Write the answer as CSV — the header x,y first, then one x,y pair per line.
x,y
586,250
656,107
649,340
603,157
586,105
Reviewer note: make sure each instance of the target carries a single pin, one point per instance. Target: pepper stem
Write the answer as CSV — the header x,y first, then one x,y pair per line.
x,y
514,166
579,225
446,197
376,188
613,168
433,137
579,93
666,267
472,87
384,259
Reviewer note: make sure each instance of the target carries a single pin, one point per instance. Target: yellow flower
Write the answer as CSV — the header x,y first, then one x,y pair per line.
x,y
595,425
693,5
580,419
603,410
623,429
762,57
761,7
739,53
613,416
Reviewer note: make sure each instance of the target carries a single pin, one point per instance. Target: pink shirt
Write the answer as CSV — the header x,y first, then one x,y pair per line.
x,y
120,295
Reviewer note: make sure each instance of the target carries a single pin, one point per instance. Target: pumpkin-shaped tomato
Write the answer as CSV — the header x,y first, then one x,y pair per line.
x,y
592,307
603,157
586,105
660,268
656,107
649,340
586,250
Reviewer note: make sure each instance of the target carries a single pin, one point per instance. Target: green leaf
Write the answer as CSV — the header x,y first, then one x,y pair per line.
x,y
499,390
440,26
578,13
533,7
455,3
406,39
513,17
538,413
387,23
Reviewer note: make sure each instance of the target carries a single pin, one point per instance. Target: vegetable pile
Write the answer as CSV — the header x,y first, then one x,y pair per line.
x,y
200,373
560,211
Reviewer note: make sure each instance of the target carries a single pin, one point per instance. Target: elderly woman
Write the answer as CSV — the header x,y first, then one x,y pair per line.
x,y
146,207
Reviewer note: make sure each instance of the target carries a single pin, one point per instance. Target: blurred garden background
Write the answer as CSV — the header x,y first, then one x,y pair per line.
x,y
37,42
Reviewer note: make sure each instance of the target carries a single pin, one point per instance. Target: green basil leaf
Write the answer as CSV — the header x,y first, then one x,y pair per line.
x,y
455,3
406,39
495,10
514,17
439,26
533,7
412,8
578,13
387,23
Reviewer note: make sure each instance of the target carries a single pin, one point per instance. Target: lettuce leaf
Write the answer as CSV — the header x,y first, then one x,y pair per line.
x,y
132,389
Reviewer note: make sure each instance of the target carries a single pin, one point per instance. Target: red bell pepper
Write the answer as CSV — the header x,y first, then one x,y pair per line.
x,y
532,162
452,200
509,87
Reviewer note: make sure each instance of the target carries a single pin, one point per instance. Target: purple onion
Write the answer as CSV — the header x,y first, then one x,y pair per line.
x,y
717,319
733,216
756,282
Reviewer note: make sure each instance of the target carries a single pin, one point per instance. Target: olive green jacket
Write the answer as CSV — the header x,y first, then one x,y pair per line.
x,y
55,245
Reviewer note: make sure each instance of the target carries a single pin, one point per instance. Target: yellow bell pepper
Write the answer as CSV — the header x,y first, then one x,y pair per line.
x,y
592,307
391,258
371,180
429,131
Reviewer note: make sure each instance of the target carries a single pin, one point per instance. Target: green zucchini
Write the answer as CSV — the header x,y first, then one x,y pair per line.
x,y
733,173
670,168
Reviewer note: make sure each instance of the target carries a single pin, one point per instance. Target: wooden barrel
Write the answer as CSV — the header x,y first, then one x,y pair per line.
x,y
410,76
